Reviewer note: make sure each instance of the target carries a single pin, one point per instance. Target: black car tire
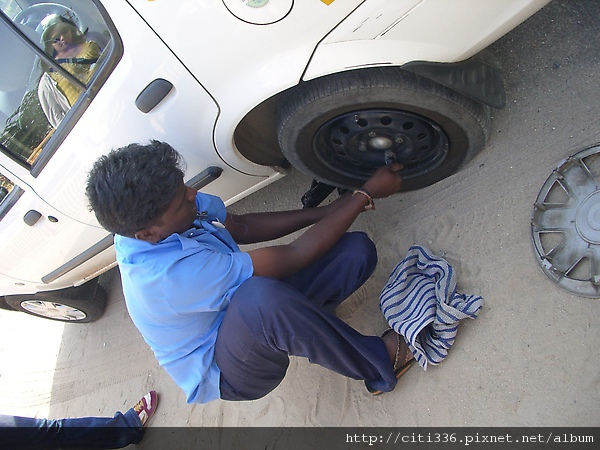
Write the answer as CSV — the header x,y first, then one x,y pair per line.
x,y
82,304
339,129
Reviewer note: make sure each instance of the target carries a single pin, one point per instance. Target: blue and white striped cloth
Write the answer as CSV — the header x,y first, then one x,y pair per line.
x,y
420,302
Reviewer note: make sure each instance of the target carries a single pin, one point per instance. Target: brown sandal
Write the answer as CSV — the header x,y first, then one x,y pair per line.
x,y
402,352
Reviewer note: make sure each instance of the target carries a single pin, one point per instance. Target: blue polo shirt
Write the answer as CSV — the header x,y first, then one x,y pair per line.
x,y
177,292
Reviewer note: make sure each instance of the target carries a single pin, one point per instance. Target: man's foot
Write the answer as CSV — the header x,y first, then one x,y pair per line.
x,y
146,407
400,355
397,348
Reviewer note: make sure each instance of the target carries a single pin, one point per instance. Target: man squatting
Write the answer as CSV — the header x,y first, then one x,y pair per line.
x,y
223,322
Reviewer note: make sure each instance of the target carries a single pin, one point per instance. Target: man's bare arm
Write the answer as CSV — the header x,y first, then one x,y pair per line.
x,y
330,224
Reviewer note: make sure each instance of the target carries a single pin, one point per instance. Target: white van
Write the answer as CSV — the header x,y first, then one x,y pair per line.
x,y
243,89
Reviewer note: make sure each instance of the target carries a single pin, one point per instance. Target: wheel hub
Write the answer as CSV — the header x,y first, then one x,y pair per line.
x,y
380,142
357,143
587,220
53,310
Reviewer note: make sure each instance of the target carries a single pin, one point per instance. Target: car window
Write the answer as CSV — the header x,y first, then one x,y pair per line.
x,y
50,57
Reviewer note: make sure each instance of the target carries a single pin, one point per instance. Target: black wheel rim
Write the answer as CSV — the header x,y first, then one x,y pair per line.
x,y
354,144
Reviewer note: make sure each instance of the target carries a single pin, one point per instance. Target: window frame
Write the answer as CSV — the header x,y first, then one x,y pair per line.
x,y
110,57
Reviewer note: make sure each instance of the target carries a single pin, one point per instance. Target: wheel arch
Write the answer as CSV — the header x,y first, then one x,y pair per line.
x,y
479,78
255,136
4,304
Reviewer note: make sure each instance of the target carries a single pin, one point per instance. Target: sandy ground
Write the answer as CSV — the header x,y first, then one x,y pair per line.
x,y
529,359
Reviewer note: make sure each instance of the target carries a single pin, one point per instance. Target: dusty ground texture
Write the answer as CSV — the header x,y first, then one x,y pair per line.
x,y
529,359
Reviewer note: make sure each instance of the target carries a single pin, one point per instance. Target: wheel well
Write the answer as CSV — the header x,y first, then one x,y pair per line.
x,y
479,77
4,305
255,137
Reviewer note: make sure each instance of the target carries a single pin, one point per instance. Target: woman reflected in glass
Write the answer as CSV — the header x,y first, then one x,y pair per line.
x,y
69,47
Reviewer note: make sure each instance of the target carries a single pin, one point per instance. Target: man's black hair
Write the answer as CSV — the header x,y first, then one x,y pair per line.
x,y
130,188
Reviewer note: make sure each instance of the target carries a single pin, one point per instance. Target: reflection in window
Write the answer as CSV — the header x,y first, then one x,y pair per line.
x,y
37,92
24,123
73,51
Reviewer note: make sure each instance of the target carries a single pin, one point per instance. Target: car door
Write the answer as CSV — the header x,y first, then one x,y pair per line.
x,y
136,90
39,237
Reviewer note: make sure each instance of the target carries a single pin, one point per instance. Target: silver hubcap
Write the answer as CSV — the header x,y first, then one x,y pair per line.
x,y
53,310
565,224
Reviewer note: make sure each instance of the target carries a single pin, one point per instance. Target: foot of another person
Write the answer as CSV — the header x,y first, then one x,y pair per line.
x,y
146,407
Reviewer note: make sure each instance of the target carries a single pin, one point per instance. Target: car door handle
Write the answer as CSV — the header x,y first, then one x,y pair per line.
x,y
153,94
205,177
31,217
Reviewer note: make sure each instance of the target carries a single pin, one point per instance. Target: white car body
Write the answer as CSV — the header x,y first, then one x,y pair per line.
x,y
223,58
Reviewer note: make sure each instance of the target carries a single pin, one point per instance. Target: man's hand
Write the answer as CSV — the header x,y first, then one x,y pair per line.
x,y
330,223
385,181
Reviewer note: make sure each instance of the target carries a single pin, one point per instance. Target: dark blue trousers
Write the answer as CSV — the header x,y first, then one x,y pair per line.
x,y
82,432
268,320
